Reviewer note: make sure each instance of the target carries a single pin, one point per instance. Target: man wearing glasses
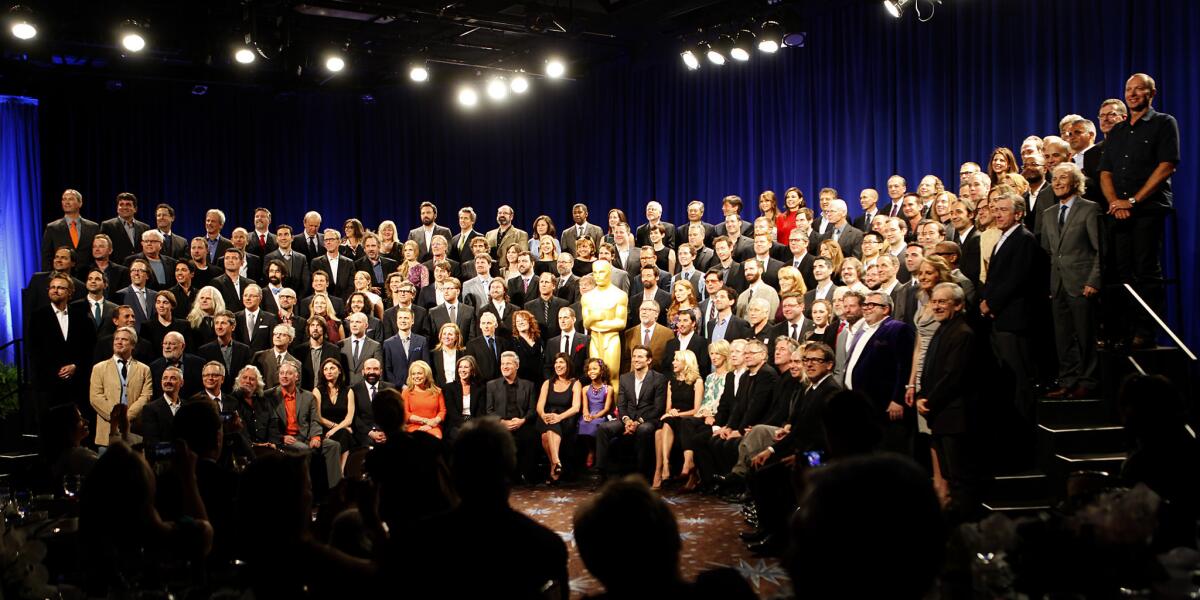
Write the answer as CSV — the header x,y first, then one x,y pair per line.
x,y
878,364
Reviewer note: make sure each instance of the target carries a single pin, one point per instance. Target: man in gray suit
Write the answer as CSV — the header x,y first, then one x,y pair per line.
x,y
423,235
59,233
357,347
852,312
840,230
512,400
580,229
293,422
137,295
268,361
1070,233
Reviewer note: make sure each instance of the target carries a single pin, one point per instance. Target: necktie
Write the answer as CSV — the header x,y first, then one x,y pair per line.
x,y
141,294
253,322
546,311
1062,215
491,342
262,241
795,332
462,241
526,288
279,360
566,344
453,313
854,341
579,232
371,392
646,338
312,245
836,233
124,381
74,234
712,310
356,351
129,232
96,312
797,265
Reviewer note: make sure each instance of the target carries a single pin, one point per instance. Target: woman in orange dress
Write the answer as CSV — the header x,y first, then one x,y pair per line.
x,y
423,401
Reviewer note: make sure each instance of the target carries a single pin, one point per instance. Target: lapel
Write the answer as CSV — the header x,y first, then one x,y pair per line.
x,y
1071,219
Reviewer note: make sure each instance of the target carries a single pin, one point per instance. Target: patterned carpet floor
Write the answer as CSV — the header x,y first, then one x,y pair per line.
x,y
709,528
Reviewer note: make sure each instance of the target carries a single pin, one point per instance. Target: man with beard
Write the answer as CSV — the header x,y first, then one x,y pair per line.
x,y
296,274
423,235
175,355
366,432
505,235
757,288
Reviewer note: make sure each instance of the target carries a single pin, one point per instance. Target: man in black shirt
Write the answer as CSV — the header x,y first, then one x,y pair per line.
x,y
1135,172
512,401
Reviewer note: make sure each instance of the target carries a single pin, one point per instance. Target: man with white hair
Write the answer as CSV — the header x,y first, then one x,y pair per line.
x,y
653,219
310,243
214,220
162,267
1056,151
840,230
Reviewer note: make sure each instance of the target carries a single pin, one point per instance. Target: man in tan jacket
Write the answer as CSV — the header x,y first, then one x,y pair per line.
x,y
121,379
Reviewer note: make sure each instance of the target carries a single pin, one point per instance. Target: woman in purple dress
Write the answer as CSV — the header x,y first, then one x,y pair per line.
x,y
597,403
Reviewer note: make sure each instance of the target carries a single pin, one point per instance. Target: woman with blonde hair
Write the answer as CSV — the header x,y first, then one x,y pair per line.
x,y
411,266
696,429
833,251
790,282
208,303
321,307
446,352
852,271
931,271
389,241
424,404
684,389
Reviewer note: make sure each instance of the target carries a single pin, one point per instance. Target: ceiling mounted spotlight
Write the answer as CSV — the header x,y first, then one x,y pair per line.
x,y
497,89
771,37
519,84
718,50
468,97
742,45
555,68
334,63
21,22
133,36
244,55
691,58
895,7
418,71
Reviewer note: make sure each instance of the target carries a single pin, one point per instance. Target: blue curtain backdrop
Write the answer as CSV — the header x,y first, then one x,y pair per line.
x,y
868,97
20,210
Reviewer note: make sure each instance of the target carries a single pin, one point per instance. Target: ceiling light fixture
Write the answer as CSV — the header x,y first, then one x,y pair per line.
x,y
742,45
555,68
771,37
21,22
132,36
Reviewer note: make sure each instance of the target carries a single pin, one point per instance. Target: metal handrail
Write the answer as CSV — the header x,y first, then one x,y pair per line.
x,y
1161,323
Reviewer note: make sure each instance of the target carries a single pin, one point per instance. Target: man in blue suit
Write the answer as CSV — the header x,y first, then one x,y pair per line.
x,y
878,365
137,294
404,348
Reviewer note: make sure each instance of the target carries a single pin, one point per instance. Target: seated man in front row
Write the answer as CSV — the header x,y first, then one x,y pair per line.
x,y
293,422
642,400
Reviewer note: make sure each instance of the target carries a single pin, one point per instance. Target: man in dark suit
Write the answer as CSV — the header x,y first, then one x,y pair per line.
x,y
1015,289
138,295
320,285
162,267
579,229
423,235
403,348
96,304
262,241
366,433
524,286
695,217
545,305
309,241
123,316
731,269
61,338
296,274
225,350
101,258
340,269
314,350
292,405
269,360
159,413
946,396
868,199
568,340
726,326
962,218
641,401
215,244
800,257
847,236
255,325
514,402
487,347
374,263
746,403
1056,151
686,339
460,244
1071,235
649,290
174,354
252,264
358,347
72,230
63,263
879,364
124,230
174,245
453,311
654,219
794,324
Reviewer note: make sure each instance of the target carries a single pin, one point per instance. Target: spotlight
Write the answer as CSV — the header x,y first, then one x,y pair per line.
x,y
690,59
519,85
244,55
497,90
742,45
418,72
131,36
555,68
795,39
334,63
719,49
23,27
771,37
895,7
468,97
199,90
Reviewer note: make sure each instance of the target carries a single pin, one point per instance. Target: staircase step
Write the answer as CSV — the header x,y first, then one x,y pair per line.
x,y
1018,508
1027,486
1060,412
1076,438
1108,462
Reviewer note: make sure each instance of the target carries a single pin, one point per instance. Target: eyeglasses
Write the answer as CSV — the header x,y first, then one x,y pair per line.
x,y
812,360
211,375
873,305
1110,115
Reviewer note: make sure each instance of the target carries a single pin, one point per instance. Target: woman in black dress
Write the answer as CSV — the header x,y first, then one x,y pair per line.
x,y
527,343
685,387
163,322
465,398
826,330
335,405
557,404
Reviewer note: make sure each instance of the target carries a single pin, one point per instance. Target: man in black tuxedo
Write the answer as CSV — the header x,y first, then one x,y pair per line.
x,y
546,305
514,402
726,325
879,364
231,284
310,242
215,244
569,341
61,338
568,282
124,230
254,323
339,268
162,267
314,350
175,355
460,244
1015,291
365,431
453,311
748,402
794,324
374,263
641,401
686,338
800,257
72,230
423,235
487,348
946,397
695,217
226,350
296,274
